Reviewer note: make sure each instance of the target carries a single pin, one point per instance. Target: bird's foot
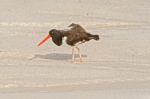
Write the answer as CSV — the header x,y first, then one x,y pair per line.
x,y
77,61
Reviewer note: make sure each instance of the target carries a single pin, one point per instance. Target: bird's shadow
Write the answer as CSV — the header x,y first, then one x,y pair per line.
x,y
56,56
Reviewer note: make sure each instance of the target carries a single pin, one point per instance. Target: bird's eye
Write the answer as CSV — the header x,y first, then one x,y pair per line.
x,y
51,33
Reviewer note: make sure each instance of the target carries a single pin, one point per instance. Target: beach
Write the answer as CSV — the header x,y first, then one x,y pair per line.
x,y
115,67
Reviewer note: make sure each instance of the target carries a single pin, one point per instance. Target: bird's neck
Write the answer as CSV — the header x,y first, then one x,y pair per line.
x,y
64,33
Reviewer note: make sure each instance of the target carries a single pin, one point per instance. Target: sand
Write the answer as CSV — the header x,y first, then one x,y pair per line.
x,y
115,67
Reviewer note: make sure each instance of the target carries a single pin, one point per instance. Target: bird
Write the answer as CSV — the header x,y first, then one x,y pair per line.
x,y
75,36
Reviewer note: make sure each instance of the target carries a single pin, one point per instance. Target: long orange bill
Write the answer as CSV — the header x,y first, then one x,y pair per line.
x,y
44,40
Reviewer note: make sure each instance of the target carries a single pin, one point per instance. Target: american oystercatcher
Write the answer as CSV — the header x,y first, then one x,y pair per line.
x,y
74,36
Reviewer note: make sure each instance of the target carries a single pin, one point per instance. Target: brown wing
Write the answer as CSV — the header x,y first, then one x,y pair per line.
x,y
77,28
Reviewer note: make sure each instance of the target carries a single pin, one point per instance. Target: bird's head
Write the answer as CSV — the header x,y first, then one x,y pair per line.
x,y
52,31
57,36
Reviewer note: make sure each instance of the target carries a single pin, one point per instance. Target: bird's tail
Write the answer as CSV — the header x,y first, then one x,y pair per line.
x,y
95,37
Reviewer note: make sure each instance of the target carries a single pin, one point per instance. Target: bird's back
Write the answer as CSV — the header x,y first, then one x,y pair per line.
x,y
77,28
78,34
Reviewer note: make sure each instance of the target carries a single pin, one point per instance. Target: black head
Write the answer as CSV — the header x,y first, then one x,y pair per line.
x,y
56,36
51,32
